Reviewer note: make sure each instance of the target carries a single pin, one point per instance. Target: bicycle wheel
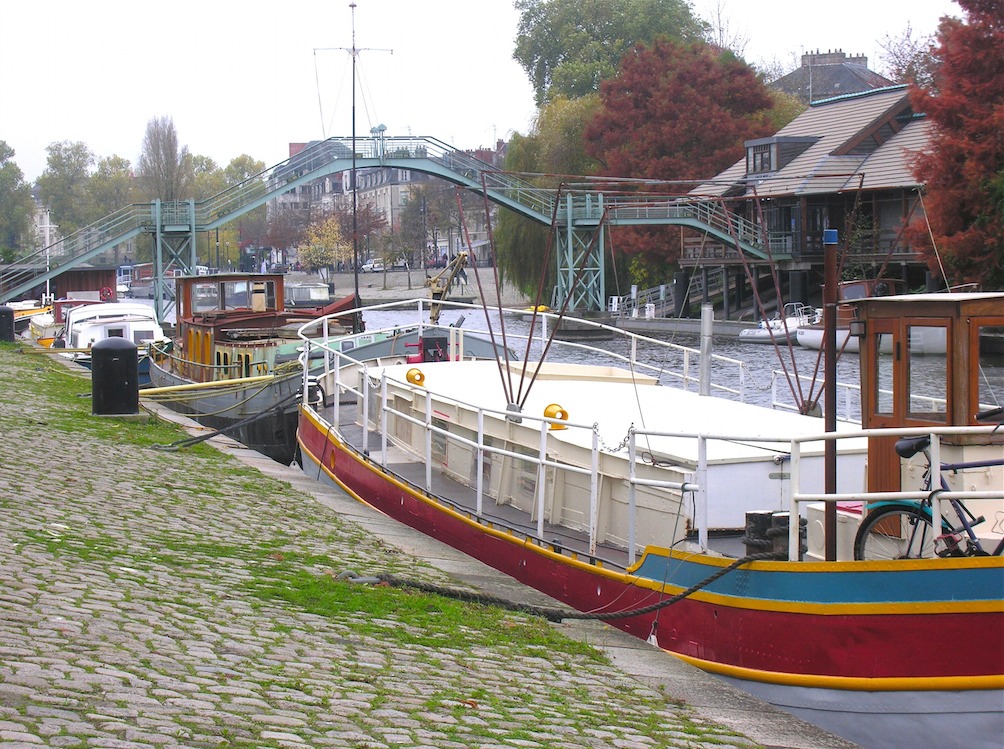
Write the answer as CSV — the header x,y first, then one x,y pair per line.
x,y
895,532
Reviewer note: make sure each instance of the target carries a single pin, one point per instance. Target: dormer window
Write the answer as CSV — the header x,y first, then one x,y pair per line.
x,y
765,155
759,159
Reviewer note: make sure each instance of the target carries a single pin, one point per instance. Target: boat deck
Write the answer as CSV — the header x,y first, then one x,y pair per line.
x,y
463,499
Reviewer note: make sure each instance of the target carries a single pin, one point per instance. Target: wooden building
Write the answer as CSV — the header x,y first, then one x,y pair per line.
x,y
845,164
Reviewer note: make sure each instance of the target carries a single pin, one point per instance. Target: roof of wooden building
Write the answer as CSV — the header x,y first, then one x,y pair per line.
x,y
860,141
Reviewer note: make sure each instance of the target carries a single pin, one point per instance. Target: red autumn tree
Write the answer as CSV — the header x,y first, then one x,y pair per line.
x,y
676,112
963,169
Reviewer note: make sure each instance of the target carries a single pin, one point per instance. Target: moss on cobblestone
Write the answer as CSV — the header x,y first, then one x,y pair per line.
x,y
425,619
154,598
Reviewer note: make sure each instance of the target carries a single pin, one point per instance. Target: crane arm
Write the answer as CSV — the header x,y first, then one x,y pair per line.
x,y
439,285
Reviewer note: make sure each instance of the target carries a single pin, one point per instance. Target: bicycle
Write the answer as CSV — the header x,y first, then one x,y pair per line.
x,y
903,529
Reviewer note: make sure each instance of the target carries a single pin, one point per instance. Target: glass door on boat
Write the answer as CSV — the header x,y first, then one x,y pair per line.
x,y
906,381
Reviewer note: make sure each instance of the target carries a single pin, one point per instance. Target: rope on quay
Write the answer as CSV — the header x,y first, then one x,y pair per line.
x,y
546,612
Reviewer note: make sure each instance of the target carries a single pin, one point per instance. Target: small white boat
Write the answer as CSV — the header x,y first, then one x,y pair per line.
x,y
44,326
25,311
88,324
782,327
922,337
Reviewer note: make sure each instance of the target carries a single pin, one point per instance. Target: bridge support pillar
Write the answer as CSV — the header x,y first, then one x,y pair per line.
x,y
681,294
580,265
798,286
174,247
726,300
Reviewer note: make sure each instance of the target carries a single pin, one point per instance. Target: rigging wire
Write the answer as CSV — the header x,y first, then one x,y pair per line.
x,y
507,374
484,304
564,305
538,299
930,233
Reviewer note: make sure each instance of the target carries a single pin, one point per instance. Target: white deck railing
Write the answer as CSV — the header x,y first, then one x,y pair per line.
x,y
335,361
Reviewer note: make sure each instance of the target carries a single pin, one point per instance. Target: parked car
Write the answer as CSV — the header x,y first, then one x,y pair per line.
x,y
372,266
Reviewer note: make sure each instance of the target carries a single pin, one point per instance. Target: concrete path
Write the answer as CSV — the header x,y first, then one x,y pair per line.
x,y
132,613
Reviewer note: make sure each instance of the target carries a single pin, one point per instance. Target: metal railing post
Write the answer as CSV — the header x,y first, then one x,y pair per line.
x,y
428,441
594,498
935,450
541,479
481,462
701,499
383,417
793,513
632,495
366,411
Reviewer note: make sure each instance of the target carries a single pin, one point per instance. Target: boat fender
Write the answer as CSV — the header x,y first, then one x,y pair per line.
x,y
106,293
554,411
415,376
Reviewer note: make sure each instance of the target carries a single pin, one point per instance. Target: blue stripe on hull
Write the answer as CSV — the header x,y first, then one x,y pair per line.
x,y
901,582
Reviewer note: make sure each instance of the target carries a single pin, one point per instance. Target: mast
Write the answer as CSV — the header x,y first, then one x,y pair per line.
x,y
357,322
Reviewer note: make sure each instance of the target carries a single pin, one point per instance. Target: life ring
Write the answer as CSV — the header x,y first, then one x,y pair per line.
x,y
106,293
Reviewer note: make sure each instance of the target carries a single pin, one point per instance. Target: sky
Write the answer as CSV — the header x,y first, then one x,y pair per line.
x,y
251,77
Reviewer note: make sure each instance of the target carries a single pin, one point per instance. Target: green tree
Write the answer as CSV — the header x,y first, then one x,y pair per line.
x,y
567,47
411,233
323,245
111,189
207,178
16,208
520,243
242,168
64,185
112,185
252,227
166,169
560,128
963,168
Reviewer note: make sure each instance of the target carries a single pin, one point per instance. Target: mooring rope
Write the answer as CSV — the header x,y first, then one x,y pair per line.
x,y
547,612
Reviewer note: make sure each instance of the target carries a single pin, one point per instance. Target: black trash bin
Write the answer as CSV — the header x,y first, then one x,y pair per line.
x,y
7,324
114,377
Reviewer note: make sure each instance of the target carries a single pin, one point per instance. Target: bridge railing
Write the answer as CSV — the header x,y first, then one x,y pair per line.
x,y
538,199
71,248
709,212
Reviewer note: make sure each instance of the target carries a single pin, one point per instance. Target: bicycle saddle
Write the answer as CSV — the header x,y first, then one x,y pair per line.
x,y
907,447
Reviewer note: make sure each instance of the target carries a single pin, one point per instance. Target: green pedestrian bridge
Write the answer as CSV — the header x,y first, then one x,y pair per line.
x,y
576,215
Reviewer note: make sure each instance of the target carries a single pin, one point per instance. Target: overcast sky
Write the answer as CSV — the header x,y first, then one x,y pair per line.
x,y
253,76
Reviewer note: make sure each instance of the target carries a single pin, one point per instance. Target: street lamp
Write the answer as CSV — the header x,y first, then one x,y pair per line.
x,y
377,132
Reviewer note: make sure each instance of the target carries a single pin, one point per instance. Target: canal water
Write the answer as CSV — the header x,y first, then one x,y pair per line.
x,y
755,373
